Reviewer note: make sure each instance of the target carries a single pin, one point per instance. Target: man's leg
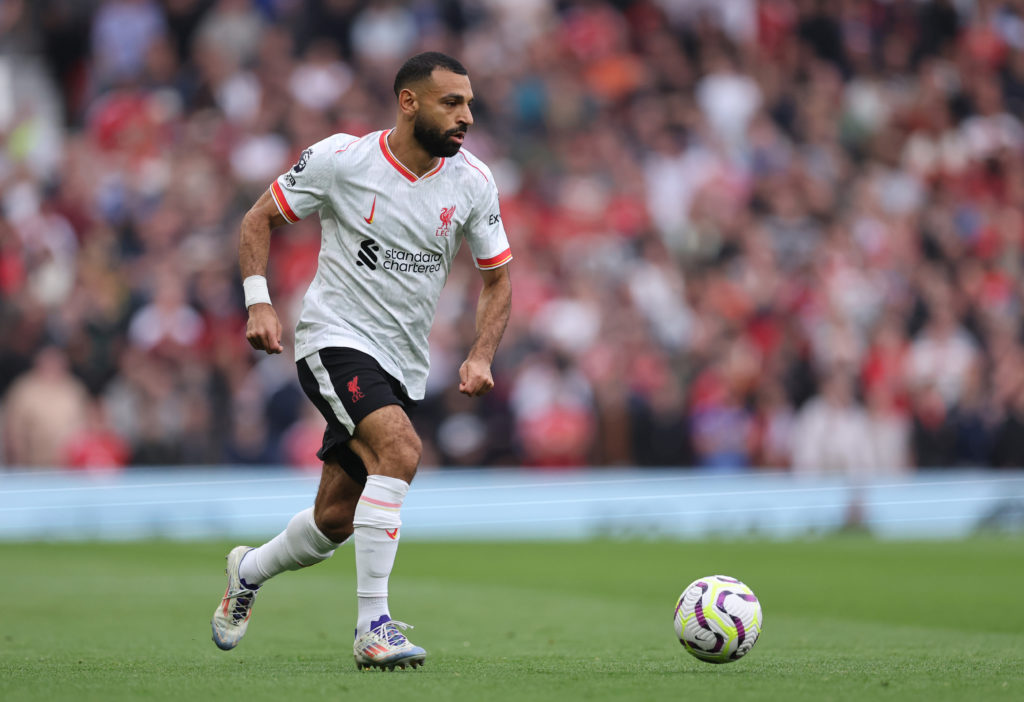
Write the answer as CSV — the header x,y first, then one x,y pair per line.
x,y
390,449
311,536
365,409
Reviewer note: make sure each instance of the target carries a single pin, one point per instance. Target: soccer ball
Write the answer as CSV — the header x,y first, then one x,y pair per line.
x,y
718,619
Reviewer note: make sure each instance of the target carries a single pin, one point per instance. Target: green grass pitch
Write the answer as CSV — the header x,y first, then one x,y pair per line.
x,y
844,619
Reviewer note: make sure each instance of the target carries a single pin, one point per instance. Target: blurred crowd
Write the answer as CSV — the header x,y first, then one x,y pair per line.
x,y
750,234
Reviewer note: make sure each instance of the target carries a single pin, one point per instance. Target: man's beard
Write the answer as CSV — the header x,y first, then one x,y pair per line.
x,y
434,141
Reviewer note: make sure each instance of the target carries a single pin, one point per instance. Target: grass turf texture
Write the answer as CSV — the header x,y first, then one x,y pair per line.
x,y
845,619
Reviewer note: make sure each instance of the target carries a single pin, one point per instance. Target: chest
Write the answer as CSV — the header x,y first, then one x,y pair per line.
x,y
425,217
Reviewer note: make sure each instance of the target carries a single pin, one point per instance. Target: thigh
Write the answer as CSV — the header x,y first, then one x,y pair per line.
x,y
347,386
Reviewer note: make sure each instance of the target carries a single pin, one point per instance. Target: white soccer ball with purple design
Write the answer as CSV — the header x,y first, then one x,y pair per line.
x,y
718,619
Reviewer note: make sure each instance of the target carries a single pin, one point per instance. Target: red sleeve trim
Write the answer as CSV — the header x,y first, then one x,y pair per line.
x,y
494,261
282,203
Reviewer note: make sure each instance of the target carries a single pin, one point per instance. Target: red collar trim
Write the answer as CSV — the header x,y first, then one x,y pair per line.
x,y
399,166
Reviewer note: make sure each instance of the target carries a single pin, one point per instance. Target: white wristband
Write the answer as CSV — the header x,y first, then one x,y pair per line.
x,y
256,291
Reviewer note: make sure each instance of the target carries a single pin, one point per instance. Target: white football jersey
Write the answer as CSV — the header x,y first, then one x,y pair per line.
x,y
387,246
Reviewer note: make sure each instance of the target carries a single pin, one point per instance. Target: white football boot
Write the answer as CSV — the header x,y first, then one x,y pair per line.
x,y
385,646
231,618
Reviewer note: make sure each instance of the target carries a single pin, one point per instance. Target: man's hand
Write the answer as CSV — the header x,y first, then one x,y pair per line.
x,y
492,310
263,330
476,378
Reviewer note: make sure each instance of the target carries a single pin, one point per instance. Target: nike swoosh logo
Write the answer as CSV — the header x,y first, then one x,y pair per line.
x,y
392,533
369,220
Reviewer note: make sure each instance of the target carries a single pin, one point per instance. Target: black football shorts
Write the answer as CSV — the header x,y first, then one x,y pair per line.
x,y
346,385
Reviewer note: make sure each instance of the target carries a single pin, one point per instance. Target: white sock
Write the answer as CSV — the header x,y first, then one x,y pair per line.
x,y
376,523
301,544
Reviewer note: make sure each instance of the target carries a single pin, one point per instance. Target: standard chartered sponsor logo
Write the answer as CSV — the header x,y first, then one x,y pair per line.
x,y
397,260
410,262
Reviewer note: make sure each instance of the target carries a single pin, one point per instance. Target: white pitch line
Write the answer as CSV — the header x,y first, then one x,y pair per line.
x,y
592,524
587,483
686,495
146,486
584,483
730,510
154,503
525,486
529,503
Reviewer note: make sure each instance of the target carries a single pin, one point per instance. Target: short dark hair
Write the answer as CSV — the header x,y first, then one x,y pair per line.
x,y
422,65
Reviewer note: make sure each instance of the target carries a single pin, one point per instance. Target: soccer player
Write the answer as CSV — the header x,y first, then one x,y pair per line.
x,y
394,207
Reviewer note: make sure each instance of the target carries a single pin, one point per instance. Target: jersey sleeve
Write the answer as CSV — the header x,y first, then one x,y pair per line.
x,y
301,191
485,232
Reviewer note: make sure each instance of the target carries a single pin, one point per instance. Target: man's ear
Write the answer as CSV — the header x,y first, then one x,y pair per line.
x,y
408,102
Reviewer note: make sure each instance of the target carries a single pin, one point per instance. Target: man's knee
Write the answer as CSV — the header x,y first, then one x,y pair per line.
x,y
388,444
400,456
408,451
334,520
397,455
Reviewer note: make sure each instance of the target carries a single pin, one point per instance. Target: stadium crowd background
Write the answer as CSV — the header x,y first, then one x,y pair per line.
x,y
753,233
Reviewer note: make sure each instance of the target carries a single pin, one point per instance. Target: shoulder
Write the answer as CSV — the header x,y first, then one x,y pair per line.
x,y
336,154
336,145
472,170
342,143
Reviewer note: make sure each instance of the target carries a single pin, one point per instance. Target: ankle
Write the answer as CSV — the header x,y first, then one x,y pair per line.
x,y
373,611
248,572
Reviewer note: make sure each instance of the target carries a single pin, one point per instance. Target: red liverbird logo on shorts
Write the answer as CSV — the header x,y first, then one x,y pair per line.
x,y
353,387
446,221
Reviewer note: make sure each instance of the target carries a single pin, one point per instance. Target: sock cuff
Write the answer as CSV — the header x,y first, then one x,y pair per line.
x,y
384,487
381,502
313,533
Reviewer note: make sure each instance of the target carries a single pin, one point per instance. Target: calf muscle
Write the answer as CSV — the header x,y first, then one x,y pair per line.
x,y
335,503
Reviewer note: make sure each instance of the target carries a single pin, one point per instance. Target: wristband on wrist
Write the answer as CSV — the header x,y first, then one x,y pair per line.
x,y
255,287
